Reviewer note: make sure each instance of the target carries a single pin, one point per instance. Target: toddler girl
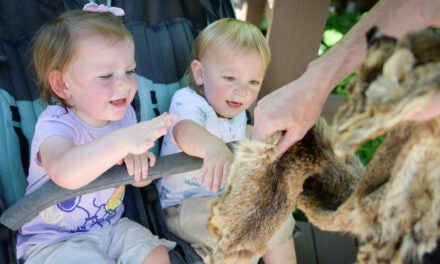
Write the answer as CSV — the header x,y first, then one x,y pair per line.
x,y
85,61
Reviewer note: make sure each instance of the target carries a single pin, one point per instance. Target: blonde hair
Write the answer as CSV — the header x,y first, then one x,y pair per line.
x,y
233,34
54,43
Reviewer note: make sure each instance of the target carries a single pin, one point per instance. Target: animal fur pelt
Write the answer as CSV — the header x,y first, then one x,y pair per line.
x,y
395,208
392,207
261,191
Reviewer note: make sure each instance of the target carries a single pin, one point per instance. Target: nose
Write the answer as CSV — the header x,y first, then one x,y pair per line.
x,y
241,89
126,83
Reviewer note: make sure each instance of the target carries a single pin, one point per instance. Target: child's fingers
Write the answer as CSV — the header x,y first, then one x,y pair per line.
x,y
151,159
137,167
216,183
225,173
209,178
203,172
144,166
171,117
152,131
128,160
163,120
219,177
155,128
206,175
223,177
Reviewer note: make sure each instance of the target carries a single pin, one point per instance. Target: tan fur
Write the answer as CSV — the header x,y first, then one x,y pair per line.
x,y
261,192
393,207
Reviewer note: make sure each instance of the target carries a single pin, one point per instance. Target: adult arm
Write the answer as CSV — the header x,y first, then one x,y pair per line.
x,y
295,107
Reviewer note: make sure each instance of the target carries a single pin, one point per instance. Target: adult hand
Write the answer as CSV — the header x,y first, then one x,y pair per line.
x,y
293,109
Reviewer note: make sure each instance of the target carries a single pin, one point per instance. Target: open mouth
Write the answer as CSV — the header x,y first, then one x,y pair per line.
x,y
234,104
119,102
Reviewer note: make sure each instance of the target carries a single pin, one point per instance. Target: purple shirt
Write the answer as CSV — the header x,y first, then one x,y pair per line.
x,y
79,214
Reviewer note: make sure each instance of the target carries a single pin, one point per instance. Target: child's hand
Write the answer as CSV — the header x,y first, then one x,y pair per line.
x,y
215,167
137,166
141,136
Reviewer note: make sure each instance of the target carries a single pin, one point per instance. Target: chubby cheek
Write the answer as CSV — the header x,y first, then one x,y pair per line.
x,y
250,98
216,95
133,90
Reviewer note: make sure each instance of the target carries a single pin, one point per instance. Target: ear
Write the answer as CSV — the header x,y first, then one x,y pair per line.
x,y
197,71
57,84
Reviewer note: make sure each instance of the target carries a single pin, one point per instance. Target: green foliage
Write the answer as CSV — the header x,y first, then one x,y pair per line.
x,y
342,23
340,89
366,151
299,215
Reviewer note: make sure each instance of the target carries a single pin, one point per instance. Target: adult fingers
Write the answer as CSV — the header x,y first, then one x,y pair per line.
x,y
261,131
288,139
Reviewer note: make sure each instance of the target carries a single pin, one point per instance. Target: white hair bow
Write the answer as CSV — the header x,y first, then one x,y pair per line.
x,y
93,7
